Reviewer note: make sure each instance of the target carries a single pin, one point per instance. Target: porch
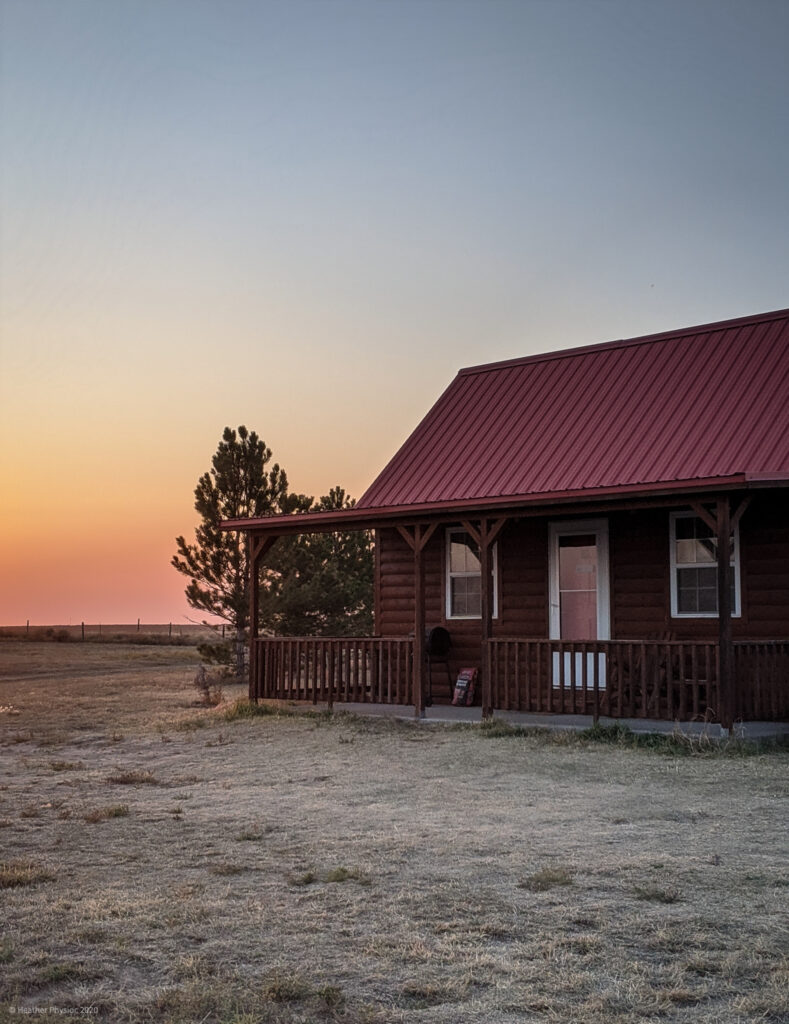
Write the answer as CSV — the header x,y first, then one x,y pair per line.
x,y
703,642
666,680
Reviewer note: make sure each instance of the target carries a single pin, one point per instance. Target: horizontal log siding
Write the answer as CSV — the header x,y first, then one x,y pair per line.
x,y
369,670
620,679
640,574
522,593
764,540
523,579
395,563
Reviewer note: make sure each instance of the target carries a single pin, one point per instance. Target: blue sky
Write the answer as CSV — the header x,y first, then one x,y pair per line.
x,y
306,216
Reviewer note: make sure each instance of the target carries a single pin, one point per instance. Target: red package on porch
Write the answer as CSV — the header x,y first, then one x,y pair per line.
x,y
465,688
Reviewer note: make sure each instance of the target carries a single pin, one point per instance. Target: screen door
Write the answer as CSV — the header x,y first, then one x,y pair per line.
x,y
579,594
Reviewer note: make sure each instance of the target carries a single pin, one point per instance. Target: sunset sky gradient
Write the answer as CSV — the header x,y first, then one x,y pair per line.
x,y
306,216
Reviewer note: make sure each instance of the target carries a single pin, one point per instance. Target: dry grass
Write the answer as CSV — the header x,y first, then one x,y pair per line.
x,y
15,873
106,813
547,878
293,869
133,777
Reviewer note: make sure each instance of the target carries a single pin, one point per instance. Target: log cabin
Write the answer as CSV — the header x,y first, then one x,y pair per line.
x,y
602,531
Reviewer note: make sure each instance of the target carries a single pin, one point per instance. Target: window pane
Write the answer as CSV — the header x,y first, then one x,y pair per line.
x,y
465,595
577,563
697,590
707,578
474,595
463,554
706,550
708,599
689,551
578,613
458,595
690,527
695,542
687,592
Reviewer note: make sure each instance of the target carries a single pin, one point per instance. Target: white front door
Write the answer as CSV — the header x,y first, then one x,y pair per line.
x,y
579,594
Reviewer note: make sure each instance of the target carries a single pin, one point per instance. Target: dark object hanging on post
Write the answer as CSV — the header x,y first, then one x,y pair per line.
x,y
437,646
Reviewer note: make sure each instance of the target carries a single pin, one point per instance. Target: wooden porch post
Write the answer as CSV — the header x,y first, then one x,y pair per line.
x,y
256,548
725,648
486,611
486,537
419,624
254,612
417,541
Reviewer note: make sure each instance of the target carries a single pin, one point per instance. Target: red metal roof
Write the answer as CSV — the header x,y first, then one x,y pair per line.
x,y
690,405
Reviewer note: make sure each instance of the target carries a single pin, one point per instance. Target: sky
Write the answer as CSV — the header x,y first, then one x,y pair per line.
x,y
306,216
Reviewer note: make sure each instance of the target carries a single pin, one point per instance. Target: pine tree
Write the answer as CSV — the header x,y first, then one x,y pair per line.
x,y
316,584
320,584
239,485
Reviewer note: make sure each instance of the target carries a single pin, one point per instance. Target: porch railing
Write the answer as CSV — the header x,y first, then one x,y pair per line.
x,y
671,680
616,678
762,672
375,670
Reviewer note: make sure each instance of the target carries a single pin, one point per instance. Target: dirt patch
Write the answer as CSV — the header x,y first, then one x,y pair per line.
x,y
300,869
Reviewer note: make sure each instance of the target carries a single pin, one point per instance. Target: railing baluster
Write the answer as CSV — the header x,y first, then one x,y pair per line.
x,y
409,673
668,659
620,682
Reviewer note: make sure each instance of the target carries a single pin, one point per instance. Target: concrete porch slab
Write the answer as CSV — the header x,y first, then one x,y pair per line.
x,y
446,714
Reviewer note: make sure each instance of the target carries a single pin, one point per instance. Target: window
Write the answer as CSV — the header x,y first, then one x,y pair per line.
x,y
464,577
694,568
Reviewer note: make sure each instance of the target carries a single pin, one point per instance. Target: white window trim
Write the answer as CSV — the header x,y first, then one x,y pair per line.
x,y
448,575
736,611
562,529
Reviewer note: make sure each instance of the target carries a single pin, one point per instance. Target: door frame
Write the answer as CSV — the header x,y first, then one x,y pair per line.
x,y
570,527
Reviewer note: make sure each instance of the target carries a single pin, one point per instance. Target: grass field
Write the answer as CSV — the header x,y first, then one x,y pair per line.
x,y
163,862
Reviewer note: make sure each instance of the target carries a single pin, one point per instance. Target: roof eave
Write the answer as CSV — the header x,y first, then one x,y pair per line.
x,y
369,518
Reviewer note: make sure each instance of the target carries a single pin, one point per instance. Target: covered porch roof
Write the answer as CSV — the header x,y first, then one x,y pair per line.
x,y
601,498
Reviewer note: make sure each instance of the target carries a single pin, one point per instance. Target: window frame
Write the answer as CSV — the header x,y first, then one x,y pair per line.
x,y
449,576
736,611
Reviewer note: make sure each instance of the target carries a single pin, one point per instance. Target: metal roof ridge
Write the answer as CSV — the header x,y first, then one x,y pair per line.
x,y
644,339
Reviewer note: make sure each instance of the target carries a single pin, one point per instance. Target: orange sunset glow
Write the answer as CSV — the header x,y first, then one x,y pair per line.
x,y
306,217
